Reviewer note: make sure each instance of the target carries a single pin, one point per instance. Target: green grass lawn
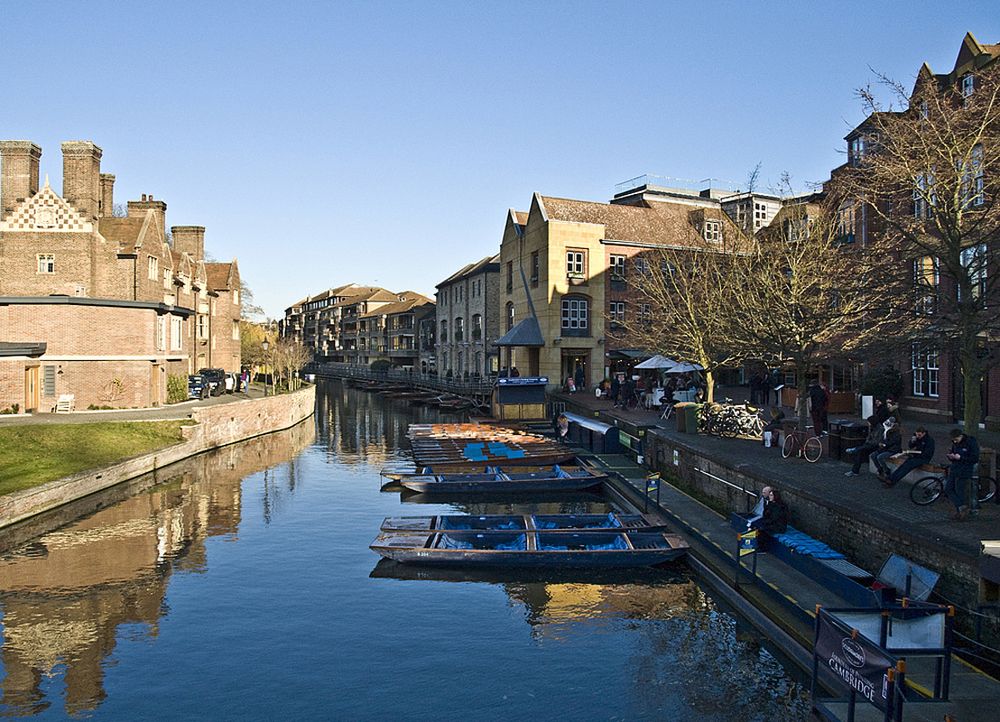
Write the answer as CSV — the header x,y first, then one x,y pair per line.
x,y
33,454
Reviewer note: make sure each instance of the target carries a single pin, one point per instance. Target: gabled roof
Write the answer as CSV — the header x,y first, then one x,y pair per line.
x,y
662,223
472,269
46,212
219,276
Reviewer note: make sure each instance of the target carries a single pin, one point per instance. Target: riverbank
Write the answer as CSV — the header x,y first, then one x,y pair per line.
x,y
211,426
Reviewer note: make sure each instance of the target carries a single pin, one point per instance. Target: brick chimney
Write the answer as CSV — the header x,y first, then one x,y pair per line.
x,y
137,209
107,208
19,168
82,176
190,240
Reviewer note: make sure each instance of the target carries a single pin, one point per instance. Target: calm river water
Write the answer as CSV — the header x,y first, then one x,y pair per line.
x,y
241,586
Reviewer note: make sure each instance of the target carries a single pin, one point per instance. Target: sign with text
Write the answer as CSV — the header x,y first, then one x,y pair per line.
x,y
860,663
748,542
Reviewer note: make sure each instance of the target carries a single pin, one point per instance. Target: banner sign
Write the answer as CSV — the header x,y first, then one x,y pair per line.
x,y
522,381
858,662
748,542
652,483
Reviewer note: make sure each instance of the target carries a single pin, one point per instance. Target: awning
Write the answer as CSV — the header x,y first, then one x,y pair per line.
x,y
657,362
628,354
524,333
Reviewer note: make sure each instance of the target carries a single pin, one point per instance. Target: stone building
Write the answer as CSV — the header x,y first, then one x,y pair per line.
x,y
100,307
468,321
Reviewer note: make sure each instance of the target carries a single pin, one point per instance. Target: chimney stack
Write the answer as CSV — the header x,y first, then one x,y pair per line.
x,y
137,209
82,177
19,168
190,240
107,208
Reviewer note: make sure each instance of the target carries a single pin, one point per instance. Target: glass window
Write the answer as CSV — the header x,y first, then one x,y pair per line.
x,y
576,262
968,85
510,316
46,263
926,274
534,266
477,327
574,314
617,268
713,231
153,268
974,261
444,332
510,276
924,366
177,333
459,329
616,312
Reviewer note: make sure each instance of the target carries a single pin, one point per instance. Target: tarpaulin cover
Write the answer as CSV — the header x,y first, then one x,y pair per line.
x,y
805,544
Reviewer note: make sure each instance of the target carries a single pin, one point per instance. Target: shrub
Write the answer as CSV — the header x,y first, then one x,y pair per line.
x,y
177,388
882,383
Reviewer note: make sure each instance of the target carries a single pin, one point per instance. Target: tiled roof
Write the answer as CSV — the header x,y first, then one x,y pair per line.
x,y
470,269
521,217
398,307
123,231
662,223
217,275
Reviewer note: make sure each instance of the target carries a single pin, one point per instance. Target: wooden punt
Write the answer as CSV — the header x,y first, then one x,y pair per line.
x,y
445,446
612,521
510,480
531,549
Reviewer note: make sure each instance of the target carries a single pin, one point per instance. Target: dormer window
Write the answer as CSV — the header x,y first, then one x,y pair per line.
x,y
968,85
856,150
924,110
713,231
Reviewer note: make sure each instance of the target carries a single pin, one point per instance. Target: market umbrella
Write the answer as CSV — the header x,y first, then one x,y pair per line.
x,y
685,368
656,362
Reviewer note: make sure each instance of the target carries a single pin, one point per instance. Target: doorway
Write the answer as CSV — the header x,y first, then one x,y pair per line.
x,y
31,389
575,363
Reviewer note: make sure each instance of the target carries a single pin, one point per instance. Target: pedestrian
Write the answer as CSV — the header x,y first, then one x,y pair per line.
x,y
514,373
891,444
964,456
818,401
776,383
921,452
562,428
570,385
616,390
579,378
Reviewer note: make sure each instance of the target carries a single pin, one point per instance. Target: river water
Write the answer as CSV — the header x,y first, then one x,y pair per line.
x,y
240,586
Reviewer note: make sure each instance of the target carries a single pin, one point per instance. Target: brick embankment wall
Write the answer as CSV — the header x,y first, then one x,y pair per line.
x,y
862,535
215,426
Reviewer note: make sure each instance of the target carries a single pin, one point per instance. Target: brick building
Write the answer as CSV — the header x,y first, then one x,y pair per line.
x,y
468,319
101,307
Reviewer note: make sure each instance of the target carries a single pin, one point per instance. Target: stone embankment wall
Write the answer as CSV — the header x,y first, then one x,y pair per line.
x,y
858,533
214,427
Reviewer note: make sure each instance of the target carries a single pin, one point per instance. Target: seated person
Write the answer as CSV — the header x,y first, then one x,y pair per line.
x,y
891,444
774,425
773,517
921,452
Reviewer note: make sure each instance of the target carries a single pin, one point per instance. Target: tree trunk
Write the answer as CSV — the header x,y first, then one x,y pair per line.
x,y
802,377
709,386
972,378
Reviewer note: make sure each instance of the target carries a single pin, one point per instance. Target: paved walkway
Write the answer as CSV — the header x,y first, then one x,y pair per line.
x,y
160,413
825,479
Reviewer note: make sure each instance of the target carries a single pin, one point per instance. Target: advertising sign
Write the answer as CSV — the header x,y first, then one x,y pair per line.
x,y
748,542
860,663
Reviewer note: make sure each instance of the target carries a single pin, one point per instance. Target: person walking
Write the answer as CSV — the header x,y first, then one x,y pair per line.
x,y
964,456
921,452
818,401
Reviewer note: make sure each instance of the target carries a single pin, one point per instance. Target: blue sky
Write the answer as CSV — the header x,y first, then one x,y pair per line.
x,y
382,142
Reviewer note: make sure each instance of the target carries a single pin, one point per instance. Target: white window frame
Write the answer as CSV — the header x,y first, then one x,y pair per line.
x,y
925,366
176,333
46,263
975,259
616,312
153,268
712,231
161,333
576,264
968,85
575,314
617,267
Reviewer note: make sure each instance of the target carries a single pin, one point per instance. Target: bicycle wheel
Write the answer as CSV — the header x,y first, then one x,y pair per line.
x,y
812,449
986,488
927,490
788,448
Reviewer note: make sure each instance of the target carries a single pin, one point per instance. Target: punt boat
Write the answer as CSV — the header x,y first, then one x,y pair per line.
x,y
612,521
555,549
500,479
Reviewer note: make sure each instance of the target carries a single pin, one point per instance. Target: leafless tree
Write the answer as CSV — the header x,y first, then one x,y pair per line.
x,y
926,169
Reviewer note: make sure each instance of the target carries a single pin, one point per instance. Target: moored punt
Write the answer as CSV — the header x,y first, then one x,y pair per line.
x,y
524,548
611,521
445,446
514,479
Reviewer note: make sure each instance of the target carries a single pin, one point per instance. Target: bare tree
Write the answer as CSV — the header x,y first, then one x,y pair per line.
x,y
925,168
289,358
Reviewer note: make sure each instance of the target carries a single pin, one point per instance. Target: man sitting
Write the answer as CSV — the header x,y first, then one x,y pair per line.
x,y
921,452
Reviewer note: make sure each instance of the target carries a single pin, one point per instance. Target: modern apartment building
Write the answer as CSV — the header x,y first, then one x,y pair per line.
x,y
99,307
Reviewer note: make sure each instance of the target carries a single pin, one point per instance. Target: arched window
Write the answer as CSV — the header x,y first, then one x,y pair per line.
x,y
459,329
477,327
575,318
444,332
510,316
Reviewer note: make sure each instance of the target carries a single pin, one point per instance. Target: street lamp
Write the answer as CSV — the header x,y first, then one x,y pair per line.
x,y
265,345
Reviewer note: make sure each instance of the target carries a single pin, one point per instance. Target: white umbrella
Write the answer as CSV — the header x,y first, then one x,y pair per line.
x,y
656,362
685,368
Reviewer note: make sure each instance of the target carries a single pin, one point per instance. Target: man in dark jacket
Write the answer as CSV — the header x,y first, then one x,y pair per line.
x,y
964,456
921,452
876,435
818,402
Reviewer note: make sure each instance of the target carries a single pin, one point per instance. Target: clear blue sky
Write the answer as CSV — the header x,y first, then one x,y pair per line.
x,y
382,142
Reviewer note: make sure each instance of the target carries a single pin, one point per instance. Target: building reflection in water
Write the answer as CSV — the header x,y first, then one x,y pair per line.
x,y
65,594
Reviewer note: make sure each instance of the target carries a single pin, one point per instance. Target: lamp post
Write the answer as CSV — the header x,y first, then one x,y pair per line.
x,y
265,344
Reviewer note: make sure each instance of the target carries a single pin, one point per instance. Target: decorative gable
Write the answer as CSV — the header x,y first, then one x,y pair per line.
x,y
46,212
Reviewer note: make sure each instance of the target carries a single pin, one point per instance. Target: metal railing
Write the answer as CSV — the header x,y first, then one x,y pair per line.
x,y
480,387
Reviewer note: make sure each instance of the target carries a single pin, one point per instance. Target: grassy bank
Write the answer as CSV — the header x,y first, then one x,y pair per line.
x,y
33,454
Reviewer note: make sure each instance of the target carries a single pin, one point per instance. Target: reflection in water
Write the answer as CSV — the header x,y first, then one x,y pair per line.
x,y
243,588
65,595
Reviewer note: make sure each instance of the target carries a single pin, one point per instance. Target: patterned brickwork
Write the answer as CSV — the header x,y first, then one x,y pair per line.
x,y
48,212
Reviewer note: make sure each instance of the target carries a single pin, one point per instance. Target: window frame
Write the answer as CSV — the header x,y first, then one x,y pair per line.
x,y
925,366
712,230
49,261
574,315
616,266
576,263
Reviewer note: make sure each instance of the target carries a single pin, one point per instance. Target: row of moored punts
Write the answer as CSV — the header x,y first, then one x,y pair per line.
x,y
482,459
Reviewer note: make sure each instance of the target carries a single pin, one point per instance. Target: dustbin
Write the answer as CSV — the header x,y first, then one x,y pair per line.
x,y
852,434
691,412
833,442
681,416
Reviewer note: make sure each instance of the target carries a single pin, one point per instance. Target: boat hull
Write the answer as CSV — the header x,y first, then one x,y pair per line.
x,y
454,558
438,486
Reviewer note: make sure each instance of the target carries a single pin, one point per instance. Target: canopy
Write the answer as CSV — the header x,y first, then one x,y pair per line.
x,y
656,362
685,368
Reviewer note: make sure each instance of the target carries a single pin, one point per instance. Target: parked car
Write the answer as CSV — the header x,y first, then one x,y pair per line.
x,y
215,379
197,388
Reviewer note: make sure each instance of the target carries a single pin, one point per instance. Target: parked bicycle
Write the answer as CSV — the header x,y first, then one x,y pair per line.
x,y
803,445
730,420
928,489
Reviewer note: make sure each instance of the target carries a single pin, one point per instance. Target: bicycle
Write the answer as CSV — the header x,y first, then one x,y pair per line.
x,y
928,489
796,442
